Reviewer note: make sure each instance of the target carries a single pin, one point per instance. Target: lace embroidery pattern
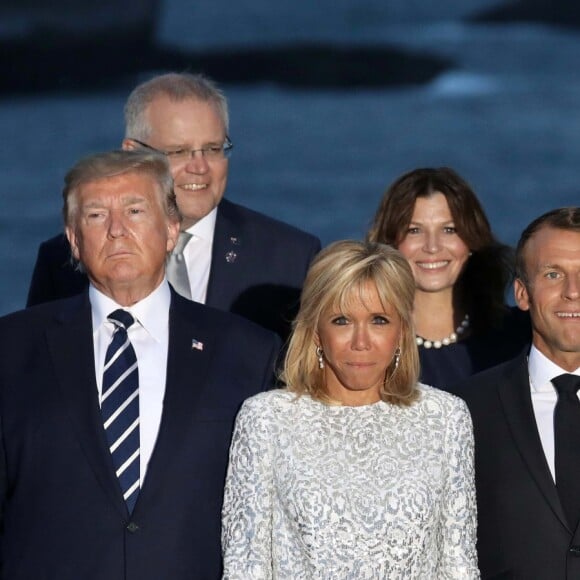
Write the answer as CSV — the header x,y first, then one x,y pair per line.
x,y
321,492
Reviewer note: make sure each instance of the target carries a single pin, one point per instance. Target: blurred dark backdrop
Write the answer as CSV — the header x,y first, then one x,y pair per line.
x,y
330,102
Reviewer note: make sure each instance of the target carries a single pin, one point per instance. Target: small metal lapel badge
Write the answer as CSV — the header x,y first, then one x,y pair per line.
x,y
196,344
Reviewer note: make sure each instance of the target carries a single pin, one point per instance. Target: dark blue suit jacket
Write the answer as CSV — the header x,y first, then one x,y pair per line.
x,y
522,531
64,517
257,270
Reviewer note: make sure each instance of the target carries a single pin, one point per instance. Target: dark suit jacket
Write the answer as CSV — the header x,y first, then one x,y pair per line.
x,y
257,270
522,530
64,517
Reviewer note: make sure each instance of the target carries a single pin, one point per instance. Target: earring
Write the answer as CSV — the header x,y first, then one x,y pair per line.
x,y
319,354
397,357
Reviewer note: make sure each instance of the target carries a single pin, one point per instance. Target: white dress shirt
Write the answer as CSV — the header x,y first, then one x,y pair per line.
x,y
544,398
149,335
197,255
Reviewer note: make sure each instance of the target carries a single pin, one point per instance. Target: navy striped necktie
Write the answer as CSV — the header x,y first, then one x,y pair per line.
x,y
120,406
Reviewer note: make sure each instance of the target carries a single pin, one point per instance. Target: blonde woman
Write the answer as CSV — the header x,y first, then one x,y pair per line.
x,y
354,470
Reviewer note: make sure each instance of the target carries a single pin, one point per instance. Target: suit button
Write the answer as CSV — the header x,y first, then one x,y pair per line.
x,y
133,527
575,551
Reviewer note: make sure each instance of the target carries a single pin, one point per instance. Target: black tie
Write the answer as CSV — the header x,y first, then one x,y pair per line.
x,y
567,445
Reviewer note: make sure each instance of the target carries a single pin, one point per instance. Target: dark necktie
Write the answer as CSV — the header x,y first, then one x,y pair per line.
x,y
120,406
567,445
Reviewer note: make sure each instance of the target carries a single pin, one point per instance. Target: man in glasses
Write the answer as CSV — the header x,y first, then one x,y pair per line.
x,y
228,256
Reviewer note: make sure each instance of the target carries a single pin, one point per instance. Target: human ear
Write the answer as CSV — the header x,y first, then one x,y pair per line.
x,y
72,240
521,295
128,145
172,235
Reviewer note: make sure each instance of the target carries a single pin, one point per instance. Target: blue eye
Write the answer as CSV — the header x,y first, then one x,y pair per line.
x,y
380,320
340,320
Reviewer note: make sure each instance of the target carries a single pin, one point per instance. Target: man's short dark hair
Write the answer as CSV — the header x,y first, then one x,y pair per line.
x,y
563,218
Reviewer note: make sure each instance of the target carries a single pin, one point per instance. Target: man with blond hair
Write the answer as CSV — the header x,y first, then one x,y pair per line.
x,y
117,405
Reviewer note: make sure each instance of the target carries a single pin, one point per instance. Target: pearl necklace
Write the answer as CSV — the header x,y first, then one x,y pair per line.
x,y
453,337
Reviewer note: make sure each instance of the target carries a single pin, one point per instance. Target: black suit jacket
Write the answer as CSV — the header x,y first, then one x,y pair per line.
x,y
257,270
64,517
522,530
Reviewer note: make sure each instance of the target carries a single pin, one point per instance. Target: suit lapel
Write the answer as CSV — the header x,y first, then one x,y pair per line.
x,y
70,343
517,403
188,364
228,247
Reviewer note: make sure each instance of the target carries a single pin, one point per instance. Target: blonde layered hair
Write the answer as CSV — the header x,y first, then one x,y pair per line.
x,y
336,276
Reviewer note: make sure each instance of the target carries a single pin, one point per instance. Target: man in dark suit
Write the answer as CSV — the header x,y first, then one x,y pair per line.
x,y
527,421
236,259
117,405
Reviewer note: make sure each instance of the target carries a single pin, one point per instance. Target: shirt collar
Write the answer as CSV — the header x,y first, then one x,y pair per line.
x,y
542,370
205,227
152,312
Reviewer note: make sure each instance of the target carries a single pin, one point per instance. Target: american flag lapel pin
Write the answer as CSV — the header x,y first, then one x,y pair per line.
x,y
196,344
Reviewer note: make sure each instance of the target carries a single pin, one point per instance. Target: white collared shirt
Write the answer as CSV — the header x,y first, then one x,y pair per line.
x,y
149,336
197,255
544,398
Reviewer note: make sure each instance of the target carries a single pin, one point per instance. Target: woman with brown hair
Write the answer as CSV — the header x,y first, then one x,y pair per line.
x,y
354,470
461,273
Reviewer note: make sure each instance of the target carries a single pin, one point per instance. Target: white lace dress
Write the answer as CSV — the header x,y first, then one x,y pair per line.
x,y
325,492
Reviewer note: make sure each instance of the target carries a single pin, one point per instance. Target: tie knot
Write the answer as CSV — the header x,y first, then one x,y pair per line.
x,y
121,318
567,383
182,241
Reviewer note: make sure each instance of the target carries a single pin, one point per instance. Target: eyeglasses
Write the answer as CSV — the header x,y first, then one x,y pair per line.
x,y
182,154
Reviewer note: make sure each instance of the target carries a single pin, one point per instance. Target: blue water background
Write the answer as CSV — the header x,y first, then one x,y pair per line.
x,y
506,116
